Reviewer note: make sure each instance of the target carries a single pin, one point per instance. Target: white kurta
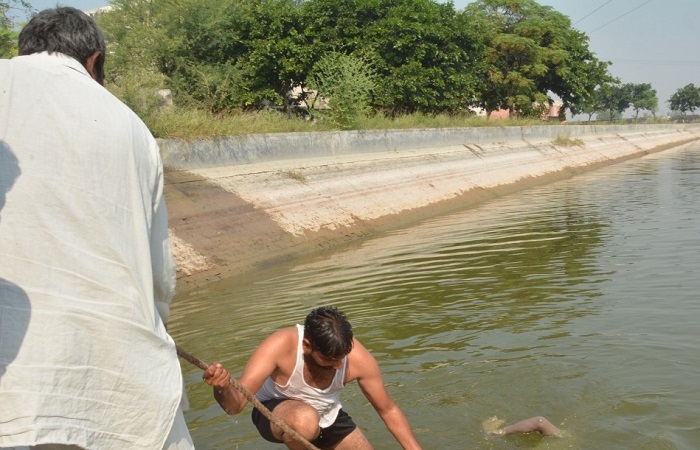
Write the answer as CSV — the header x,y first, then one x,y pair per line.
x,y
86,273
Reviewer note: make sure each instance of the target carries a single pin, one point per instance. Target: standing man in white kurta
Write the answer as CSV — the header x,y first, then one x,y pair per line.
x,y
86,272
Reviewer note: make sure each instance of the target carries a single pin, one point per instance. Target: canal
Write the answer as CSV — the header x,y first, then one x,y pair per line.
x,y
577,301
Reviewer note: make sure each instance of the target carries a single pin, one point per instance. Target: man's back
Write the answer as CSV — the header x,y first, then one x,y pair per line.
x,y
82,229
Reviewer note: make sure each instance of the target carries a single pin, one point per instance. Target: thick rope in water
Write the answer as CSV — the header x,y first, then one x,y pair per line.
x,y
251,398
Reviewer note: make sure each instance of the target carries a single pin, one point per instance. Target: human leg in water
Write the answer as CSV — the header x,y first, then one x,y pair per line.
x,y
494,425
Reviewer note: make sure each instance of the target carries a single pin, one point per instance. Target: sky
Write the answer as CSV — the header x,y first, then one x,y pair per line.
x,y
648,41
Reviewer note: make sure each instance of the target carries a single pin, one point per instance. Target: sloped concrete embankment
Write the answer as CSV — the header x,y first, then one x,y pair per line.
x,y
239,204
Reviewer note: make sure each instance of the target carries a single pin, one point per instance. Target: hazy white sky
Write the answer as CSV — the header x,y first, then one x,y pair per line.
x,y
648,41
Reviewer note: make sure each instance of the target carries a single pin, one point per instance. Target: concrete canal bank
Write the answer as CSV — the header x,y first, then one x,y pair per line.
x,y
240,204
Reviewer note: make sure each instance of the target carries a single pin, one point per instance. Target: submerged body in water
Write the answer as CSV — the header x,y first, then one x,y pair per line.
x,y
576,301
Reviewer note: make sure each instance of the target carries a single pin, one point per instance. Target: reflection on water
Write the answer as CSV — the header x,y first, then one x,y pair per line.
x,y
576,301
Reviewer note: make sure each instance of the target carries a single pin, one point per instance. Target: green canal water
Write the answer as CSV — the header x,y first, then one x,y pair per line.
x,y
578,301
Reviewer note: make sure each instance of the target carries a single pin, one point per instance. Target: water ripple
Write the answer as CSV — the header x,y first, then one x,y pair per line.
x,y
576,300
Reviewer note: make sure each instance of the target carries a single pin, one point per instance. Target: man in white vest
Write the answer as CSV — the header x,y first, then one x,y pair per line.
x,y
298,373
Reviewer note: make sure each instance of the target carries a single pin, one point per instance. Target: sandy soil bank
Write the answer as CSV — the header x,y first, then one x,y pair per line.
x,y
234,219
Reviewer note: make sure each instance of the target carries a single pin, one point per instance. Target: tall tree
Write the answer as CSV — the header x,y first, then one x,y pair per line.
x,y
685,99
643,99
222,54
229,55
615,99
534,52
135,34
425,52
589,105
269,49
421,50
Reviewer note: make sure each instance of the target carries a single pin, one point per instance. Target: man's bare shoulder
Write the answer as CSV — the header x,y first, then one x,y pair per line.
x,y
275,348
276,355
360,362
281,341
271,358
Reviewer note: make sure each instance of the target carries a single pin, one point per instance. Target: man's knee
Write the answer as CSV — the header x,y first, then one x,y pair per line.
x,y
299,416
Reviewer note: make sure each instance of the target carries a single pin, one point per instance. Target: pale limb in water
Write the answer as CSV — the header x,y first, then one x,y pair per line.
x,y
494,425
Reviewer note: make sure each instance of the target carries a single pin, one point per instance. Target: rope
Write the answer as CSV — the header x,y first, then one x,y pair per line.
x,y
251,398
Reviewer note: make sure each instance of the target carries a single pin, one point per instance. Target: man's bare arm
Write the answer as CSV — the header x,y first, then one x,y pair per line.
x,y
369,378
260,366
230,400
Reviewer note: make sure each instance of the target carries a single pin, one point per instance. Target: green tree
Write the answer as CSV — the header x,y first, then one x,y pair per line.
x,y
424,52
8,38
580,77
205,60
608,116
421,50
533,52
136,42
643,98
615,99
588,105
228,55
685,99
223,55
270,50
8,32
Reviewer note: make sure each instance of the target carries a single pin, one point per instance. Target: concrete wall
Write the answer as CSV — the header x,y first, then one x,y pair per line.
x,y
241,203
249,149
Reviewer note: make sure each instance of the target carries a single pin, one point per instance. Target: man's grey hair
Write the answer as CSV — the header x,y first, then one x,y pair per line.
x,y
64,30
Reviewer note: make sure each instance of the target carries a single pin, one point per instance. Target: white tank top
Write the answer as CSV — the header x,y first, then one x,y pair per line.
x,y
325,401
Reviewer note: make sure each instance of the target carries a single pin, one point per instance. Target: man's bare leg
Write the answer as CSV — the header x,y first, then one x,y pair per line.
x,y
539,424
354,441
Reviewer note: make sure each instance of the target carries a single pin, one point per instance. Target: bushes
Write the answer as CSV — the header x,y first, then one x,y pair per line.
x,y
347,83
139,90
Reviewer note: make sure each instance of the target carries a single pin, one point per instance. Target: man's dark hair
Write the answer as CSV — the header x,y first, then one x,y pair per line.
x,y
64,30
329,332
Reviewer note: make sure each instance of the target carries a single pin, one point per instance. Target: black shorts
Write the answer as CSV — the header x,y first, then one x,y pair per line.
x,y
329,436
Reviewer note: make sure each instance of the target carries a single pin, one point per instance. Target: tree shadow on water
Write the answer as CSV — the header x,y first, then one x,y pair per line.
x,y
15,309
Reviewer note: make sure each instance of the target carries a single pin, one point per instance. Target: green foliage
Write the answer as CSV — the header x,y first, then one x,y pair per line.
x,y
8,46
8,26
421,50
608,116
228,56
685,99
135,37
589,105
643,98
615,99
347,83
266,47
139,90
532,51
216,87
